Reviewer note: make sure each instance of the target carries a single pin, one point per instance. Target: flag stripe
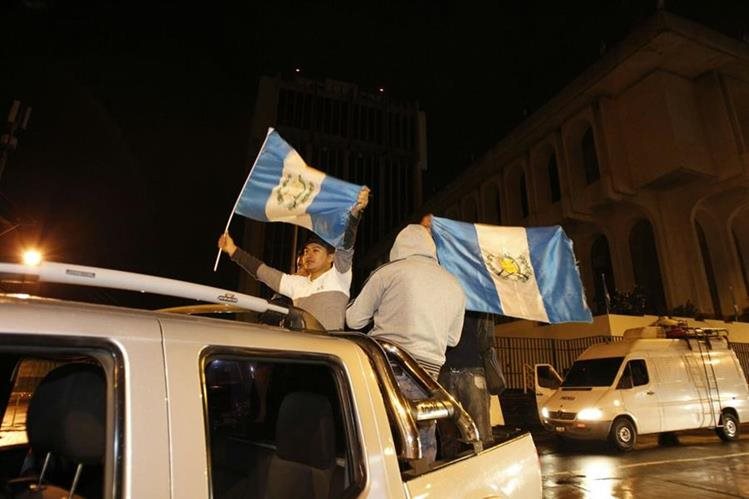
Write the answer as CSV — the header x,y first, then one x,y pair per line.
x,y
462,258
558,280
507,251
333,194
265,175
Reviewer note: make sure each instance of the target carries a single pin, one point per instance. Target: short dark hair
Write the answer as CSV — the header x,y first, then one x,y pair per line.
x,y
315,239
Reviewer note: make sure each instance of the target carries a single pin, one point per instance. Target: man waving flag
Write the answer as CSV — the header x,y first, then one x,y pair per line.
x,y
529,273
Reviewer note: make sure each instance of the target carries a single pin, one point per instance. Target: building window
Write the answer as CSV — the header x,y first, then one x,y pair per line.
x,y
590,157
298,121
646,268
523,197
344,119
307,118
285,105
742,261
707,263
470,211
355,121
492,208
555,191
603,274
327,116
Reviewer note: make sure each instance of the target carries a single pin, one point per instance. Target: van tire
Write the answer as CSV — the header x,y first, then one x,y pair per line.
x,y
623,434
729,429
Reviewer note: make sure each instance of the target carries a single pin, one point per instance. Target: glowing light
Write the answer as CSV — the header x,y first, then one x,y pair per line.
x,y
32,257
545,412
381,90
589,414
298,70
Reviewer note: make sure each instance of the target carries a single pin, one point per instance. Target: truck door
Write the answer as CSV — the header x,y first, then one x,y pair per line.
x,y
638,391
546,382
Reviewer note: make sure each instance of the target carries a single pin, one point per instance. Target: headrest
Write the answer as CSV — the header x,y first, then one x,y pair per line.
x,y
305,431
67,413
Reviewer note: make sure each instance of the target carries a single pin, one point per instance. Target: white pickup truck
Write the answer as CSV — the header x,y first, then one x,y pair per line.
x,y
100,401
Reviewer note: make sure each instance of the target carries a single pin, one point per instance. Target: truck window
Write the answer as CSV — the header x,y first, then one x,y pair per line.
x,y
592,372
274,426
27,374
48,404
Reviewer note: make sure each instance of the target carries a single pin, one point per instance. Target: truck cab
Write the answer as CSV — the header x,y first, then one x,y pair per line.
x,y
103,401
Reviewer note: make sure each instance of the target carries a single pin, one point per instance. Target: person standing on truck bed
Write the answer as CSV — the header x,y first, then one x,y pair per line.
x,y
463,375
324,291
417,305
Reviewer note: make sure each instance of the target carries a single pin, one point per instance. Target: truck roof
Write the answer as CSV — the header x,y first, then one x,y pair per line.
x,y
35,315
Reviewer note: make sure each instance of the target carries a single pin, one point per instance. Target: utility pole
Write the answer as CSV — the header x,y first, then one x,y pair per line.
x,y
18,120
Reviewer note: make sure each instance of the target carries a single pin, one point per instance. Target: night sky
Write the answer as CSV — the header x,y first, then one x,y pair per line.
x,y
138,141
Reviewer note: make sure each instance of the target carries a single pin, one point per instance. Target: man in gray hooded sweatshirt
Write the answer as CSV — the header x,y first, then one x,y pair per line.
x,y
417,305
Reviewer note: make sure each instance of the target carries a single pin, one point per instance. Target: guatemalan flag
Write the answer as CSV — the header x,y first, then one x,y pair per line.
x,y
529,273
281,187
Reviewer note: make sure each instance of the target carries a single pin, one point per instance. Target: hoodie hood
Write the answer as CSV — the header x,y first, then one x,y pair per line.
x,y
413,240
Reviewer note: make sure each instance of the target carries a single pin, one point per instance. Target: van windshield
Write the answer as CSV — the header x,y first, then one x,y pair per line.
x,y
593,372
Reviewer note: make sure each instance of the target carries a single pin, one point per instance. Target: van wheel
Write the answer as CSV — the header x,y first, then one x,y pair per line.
x,y
729,431
623,436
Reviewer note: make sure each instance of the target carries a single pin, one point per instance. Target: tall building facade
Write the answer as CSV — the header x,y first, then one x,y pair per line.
x,y
644,160
363,137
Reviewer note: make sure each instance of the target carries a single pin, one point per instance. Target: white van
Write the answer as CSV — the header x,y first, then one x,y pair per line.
x,y
658,379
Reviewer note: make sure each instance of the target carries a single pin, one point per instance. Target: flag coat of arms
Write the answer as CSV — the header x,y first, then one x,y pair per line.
x,y
281,187
528,273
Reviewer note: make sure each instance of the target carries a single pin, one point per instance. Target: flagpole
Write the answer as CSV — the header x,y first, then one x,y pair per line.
x,y
231,215
294,240
606,296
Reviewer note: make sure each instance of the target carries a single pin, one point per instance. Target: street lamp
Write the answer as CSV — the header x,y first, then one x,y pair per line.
x,y
32,257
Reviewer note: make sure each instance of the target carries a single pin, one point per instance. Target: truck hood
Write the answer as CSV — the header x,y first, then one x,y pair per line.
x,y
575,400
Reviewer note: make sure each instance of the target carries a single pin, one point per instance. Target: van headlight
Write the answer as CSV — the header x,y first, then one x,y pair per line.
x,y
545,412
590,414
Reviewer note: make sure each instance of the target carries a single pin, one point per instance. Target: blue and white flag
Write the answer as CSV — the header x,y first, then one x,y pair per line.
x,y
281,187
529,273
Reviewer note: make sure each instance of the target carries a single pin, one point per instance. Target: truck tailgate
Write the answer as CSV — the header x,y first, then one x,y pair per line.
x,y
510,469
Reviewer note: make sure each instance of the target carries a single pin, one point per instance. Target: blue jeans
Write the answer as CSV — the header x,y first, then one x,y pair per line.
x,y
468,387
427,430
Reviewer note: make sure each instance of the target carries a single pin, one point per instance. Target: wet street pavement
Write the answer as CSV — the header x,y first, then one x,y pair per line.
x,y
699,465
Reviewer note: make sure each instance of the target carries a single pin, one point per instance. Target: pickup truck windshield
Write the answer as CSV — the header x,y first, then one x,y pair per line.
x,y
592,372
